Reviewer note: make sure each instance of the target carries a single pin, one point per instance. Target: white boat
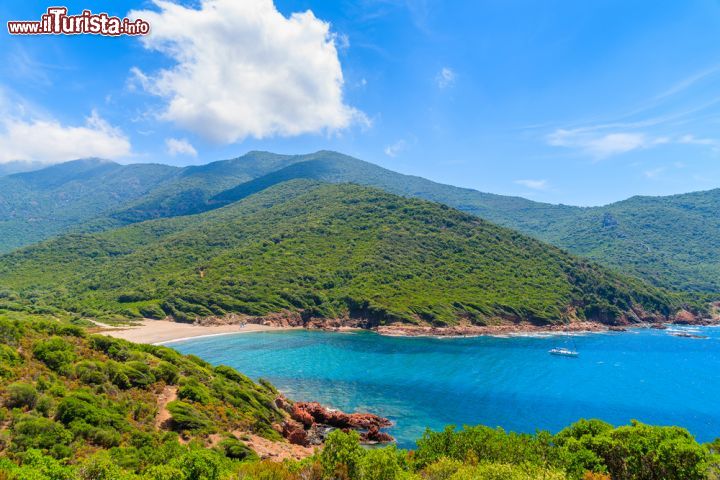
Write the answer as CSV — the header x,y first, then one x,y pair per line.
x,y
565,352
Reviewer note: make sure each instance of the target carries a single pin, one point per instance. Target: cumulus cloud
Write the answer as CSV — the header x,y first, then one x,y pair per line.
x,y
179,146
533,184
48,141
445,78
242,69
602,145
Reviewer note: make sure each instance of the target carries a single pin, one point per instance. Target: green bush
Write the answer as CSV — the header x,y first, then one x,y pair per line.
x,y
342,455
237,450
192,390
380,464
21,395
91,373
41,433
201,465
186,417
56,353
167,372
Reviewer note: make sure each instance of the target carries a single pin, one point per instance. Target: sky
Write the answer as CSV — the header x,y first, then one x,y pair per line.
x,y
582,103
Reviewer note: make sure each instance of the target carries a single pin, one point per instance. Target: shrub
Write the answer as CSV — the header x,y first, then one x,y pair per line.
x,y
37,466
139,374
99,467
194,391
380,464
91,373
186,417
237,450
201,465
167,372
21,395
342,455
56,353
39,432
163,472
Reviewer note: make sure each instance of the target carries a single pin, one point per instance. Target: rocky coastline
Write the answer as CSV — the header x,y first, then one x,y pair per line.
x,y
308,423
503,327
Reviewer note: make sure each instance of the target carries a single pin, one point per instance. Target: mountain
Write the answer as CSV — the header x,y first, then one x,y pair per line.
x,y
672,242
330,251
93,194
36,205
191,189
19,166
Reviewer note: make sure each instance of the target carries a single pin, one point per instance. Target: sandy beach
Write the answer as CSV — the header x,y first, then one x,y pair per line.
x,y
163,331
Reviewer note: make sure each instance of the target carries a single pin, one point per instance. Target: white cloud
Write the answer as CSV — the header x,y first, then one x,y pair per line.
x,y
693,140
396,148
445,78
602,145
46,140
179,146
244,70
533,184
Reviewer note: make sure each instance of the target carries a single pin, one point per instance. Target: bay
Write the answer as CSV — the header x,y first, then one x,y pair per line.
x,y
513,382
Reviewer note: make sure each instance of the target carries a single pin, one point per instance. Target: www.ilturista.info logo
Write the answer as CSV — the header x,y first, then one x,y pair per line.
x,y
57,22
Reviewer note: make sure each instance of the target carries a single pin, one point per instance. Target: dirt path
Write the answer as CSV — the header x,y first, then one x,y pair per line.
x,y
276,451
168,395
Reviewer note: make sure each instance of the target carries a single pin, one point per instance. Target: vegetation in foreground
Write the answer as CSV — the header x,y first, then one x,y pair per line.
x,y
85,407
326,251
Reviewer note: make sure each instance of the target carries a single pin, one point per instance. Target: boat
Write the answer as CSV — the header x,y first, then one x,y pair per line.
x,y
565,352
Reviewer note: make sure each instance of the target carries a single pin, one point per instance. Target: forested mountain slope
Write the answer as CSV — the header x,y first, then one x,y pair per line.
x,y
92,194
36,205
672,242
327,251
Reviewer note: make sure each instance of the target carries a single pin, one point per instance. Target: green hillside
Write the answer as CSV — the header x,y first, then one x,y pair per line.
x,y
329,251
92,195
189,192
37,205
672,242
80,406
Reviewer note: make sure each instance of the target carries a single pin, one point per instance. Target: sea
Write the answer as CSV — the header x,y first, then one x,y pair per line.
x,y
513,382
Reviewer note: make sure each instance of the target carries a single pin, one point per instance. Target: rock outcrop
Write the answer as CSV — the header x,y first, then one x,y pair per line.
x,y
309,423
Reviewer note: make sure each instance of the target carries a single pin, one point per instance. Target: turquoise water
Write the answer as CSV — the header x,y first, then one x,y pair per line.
x,y
510,382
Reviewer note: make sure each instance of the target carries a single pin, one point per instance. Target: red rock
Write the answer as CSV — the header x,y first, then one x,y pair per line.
x,y
294,432
338,419
375,435
302,416
684,317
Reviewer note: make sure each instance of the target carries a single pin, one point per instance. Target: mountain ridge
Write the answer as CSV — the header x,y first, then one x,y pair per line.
x,y
326,251
671,241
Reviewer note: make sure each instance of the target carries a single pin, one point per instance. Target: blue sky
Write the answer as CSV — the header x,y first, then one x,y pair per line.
x,y
560,101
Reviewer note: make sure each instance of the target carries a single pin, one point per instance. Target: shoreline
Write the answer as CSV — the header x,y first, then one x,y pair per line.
x,y
162,332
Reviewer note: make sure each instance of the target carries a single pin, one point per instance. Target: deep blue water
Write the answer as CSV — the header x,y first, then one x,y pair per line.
x,y
514,383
